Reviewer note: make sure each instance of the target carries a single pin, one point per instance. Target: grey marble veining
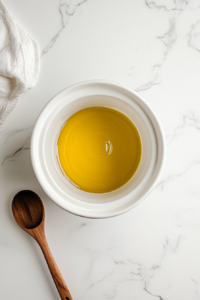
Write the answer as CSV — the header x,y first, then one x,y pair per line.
x,y
66,9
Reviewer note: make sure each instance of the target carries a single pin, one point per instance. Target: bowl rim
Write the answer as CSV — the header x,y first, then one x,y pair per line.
x,y
161,140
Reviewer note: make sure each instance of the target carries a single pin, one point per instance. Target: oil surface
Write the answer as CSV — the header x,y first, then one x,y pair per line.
x,y
99,149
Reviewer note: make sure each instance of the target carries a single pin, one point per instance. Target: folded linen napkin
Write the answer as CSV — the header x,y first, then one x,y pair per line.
x,y
19,62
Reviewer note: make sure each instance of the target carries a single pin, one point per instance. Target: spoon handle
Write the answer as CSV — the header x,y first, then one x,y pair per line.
x,y
55,272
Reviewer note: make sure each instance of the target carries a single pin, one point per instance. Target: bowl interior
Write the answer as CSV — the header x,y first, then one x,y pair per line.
x,y
45,158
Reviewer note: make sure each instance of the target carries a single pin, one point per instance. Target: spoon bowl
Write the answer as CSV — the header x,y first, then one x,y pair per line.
x,y
28,209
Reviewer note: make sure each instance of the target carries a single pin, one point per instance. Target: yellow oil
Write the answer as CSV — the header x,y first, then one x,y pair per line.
x,y
99,149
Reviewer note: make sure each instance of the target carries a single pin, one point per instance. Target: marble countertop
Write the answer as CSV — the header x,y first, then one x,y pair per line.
x,y
153,251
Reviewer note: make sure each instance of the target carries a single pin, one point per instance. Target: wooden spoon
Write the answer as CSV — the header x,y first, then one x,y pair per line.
x,y
28,211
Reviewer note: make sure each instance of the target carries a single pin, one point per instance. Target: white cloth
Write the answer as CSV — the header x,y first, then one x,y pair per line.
x,y
19,62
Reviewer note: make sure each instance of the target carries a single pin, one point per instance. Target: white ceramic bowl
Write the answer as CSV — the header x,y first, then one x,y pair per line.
x,y
46,131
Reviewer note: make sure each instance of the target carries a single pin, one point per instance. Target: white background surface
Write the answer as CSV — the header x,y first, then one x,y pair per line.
x,y
153,251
